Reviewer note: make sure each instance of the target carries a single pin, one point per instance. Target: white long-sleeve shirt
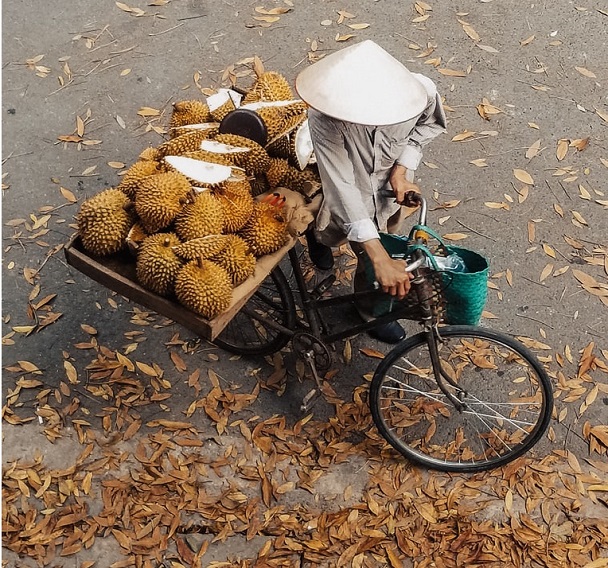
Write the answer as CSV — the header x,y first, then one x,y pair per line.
x,y
355,162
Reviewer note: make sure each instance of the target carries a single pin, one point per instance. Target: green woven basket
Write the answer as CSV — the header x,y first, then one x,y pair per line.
x,y
464,293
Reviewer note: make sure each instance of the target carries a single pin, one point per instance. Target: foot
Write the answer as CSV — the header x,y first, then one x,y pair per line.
x,y
320,254
390,332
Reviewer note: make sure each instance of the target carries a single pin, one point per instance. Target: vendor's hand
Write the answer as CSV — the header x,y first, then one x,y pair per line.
x,y
392,277
390,273
407,193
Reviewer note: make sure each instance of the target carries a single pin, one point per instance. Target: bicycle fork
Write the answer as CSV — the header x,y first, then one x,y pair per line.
x,y
433,337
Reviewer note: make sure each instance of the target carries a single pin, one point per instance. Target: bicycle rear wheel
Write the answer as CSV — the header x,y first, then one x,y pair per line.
x,y
247,335
505,393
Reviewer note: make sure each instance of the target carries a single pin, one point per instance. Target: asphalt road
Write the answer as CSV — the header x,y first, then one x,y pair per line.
x,y
520,177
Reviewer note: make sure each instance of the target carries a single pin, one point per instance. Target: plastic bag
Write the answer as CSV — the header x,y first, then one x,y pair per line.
x,y
452,262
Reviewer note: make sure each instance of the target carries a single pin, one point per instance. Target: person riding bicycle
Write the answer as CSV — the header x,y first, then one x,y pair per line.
x,y
369,118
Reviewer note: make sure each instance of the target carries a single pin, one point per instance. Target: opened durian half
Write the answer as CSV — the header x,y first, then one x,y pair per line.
x,y
223,102
199,172
189,112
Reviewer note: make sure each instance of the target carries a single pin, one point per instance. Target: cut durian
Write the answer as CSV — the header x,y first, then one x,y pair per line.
x,y
205,156
104,221
189,112
224,101
160,198
201,172
301,151
187,142
201,247
157,264
269,86
236,259
266,230
203,216
209,128
253,162
204,287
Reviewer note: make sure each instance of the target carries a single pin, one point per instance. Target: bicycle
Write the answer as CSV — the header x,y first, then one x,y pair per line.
x,y
434,397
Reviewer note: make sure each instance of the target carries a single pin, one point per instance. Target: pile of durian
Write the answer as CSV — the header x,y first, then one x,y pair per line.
x,y
187,209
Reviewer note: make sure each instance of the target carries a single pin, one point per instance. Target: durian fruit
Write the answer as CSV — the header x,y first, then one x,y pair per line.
x,y
203,216
157,264
237,156
281,174
276,171
259,184
211,157
136,235
135,174
188,142
254,162
301,152
189,112
209,128
198,172
237,202
104,221
281,120
204,287
201,247
151,153
236,259
223,102
269,86
266,230
160,198
280,148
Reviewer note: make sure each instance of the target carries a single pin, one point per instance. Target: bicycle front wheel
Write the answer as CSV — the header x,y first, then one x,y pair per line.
x,y
249,335
504,394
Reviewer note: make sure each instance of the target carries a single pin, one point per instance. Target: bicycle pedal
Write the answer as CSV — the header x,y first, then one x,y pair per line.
x,y
323,286
309,400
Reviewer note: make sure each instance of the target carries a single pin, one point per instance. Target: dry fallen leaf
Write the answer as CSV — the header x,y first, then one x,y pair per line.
x,y
523,176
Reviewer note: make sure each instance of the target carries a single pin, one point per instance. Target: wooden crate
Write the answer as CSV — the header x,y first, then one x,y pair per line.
x,y
117,272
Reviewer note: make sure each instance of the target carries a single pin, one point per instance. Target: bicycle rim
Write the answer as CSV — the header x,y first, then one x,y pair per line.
x,y
505,394
246,335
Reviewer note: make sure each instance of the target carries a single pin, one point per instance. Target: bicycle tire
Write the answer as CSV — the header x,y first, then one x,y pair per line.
x,y
245,335
502,418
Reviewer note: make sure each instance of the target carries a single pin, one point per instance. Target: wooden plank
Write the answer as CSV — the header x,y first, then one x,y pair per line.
x,y
117,273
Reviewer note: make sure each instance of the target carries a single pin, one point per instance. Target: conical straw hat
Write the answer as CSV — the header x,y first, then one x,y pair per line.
x,y
363,84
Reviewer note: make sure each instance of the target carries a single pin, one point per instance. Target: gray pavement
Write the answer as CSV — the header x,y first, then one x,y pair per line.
x,y
126,442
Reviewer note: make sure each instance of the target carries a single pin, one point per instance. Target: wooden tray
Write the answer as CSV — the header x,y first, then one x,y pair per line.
x,y
117,272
